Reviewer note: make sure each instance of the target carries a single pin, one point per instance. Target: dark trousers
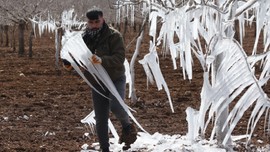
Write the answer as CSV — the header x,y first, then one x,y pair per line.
x,y
103,106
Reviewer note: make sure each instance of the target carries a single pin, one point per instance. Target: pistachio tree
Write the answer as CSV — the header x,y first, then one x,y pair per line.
x,y
229,73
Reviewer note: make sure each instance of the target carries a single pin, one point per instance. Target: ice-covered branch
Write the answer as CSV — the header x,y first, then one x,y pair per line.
x,y
244,7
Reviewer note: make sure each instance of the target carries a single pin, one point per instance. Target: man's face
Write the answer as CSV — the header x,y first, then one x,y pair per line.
x,y
95,24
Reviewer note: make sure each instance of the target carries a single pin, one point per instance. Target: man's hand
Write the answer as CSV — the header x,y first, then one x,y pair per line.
x,y
95,59
68,67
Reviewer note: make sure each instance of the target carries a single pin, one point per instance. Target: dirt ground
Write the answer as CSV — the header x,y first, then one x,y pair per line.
x,y
41,107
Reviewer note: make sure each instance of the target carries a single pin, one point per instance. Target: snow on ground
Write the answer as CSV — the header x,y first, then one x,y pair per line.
x,y
165,143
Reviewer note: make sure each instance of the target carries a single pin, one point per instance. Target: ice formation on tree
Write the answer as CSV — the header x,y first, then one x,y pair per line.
x,y
185,24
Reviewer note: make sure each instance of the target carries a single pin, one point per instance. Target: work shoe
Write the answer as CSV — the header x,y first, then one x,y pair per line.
x,y
129,136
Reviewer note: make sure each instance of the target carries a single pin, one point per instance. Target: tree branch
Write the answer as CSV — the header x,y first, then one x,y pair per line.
x,y
246,6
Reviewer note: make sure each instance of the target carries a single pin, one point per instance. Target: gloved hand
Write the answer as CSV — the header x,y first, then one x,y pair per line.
x,y
67,67
95,59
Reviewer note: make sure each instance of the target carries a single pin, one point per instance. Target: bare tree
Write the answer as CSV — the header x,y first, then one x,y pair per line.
x,y
19,12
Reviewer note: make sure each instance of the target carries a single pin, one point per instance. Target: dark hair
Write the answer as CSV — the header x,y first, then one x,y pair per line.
x,y
94,13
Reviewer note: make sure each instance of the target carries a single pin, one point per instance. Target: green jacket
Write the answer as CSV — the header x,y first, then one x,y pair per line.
x,y
109,46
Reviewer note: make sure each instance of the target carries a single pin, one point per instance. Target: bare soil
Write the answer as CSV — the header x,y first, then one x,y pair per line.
x,y
41,107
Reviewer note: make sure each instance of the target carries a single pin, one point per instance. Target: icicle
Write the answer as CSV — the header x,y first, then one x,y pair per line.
x,y
91,121
193,126
151,60
128,77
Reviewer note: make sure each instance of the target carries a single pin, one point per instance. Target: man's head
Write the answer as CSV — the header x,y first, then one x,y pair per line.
x,y
95,18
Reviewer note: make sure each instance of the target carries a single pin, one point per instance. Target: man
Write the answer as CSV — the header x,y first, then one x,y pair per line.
x,y
108,48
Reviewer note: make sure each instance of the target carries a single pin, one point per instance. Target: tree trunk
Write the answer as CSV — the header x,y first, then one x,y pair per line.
x,y
134,27
30,54
1,35
118,25
21,37
125,28
132,62
13,39
132,71
224,115
6,34
58,35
